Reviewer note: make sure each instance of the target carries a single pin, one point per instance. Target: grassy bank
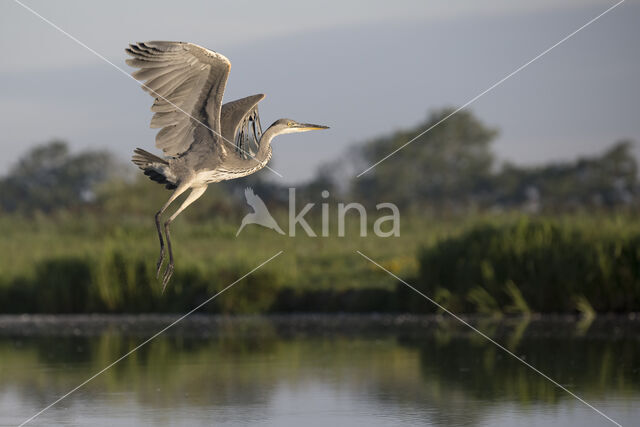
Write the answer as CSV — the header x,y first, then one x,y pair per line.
x,y
78,263
534,265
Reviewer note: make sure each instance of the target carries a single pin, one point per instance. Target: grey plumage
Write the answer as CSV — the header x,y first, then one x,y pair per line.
x,y
204,140
154,167
241,123
184,78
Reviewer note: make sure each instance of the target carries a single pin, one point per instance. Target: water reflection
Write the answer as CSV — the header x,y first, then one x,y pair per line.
x,y
344,370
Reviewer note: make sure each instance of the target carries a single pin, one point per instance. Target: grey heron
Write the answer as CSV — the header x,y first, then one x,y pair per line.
x,y
203,140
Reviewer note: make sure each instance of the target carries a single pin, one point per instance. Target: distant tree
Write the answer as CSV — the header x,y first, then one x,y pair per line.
x,y
449,165
49,177
607,181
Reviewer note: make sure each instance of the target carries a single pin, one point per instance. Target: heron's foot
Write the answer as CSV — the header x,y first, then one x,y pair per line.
x,y
159,264
167,276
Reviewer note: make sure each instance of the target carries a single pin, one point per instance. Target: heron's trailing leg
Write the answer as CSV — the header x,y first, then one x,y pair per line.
x,y
174,196
161,258
193,196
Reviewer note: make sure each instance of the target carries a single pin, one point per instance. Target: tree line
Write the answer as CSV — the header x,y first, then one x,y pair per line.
x,y
452,167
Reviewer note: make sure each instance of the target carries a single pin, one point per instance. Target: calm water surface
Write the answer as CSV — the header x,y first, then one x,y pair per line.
x,y
318,371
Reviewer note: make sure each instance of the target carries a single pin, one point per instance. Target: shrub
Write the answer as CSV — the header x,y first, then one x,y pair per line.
x,y
540,265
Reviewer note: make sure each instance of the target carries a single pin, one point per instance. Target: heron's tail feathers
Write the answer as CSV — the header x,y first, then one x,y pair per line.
x,y
156,168
143,158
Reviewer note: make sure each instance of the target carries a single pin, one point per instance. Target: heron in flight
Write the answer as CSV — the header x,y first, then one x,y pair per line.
x,y
203,140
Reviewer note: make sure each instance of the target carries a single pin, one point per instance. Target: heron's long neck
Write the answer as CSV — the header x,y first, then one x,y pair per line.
x,y
267,137
264,153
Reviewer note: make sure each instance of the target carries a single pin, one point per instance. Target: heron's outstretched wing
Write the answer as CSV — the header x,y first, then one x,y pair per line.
x,y
183,78
240,123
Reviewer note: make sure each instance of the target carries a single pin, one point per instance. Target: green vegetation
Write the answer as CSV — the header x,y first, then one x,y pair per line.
x,y
86,263
539,265
49,177
476,238
453,167
489,264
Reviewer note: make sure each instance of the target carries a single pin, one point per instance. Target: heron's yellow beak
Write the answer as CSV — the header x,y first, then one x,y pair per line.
x,y
309,126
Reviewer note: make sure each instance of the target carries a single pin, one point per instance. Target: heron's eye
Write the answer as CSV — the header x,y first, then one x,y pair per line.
x,y
290,124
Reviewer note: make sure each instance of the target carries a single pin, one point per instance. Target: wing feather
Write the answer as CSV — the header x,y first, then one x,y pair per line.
x,y
161,120
181,76
240,122
146,73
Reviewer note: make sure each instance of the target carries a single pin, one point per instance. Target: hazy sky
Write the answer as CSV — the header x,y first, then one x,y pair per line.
x,y
361,67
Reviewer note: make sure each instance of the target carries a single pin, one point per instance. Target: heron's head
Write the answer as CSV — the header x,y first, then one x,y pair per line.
x,y
283,126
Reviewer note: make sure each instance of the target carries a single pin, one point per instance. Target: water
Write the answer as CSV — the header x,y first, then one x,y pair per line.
x,y
318,371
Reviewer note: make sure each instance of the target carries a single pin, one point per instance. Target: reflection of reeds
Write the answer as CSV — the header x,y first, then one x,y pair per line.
x,y
444,367
588,314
